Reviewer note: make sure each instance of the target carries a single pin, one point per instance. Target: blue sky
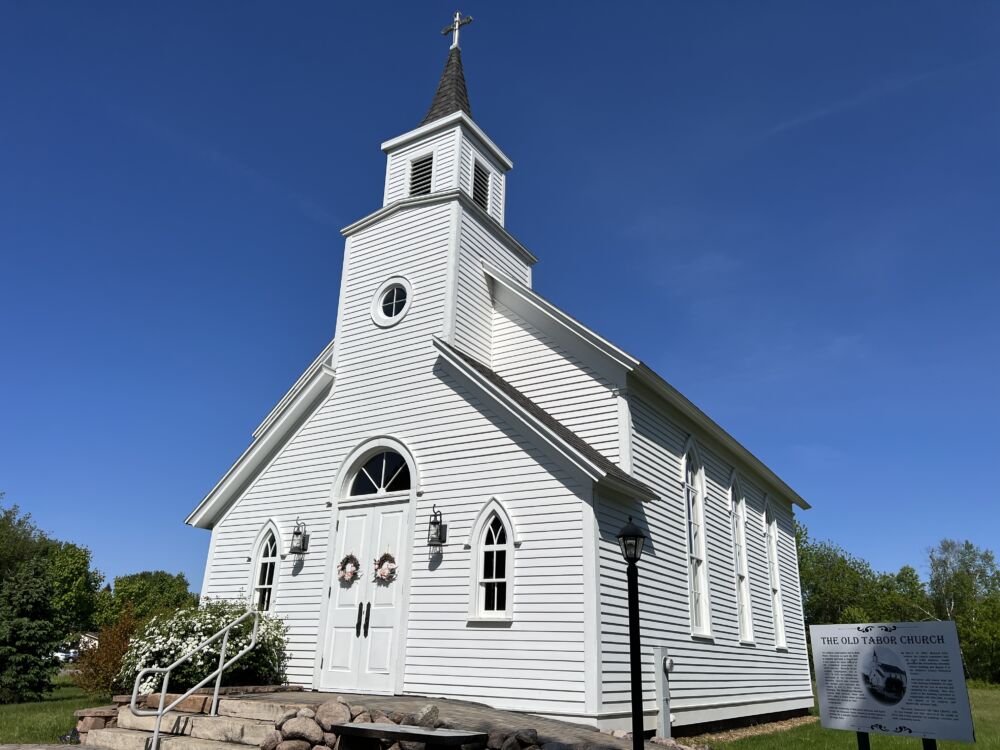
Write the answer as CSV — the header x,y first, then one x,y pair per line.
x,y
790,210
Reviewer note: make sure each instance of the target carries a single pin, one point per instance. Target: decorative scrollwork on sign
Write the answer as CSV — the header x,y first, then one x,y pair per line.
x,y
880,728
866,628
870,628
903,729
886,628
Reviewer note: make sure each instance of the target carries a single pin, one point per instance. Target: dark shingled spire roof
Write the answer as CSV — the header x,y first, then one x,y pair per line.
x,y
451,95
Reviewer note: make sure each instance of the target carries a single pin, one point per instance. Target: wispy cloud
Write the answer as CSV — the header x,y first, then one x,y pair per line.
x,y
880,90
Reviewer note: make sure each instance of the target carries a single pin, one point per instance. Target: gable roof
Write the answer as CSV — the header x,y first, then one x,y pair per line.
x,y
452,95
645,375
591,461
300,401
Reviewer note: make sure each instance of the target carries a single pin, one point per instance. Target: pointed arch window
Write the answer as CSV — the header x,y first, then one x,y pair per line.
x,y
694,496
744,606
383,473
495,562
267,563
774,573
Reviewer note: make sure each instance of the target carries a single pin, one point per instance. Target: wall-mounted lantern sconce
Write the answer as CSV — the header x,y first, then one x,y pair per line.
x,y
300,539
438,532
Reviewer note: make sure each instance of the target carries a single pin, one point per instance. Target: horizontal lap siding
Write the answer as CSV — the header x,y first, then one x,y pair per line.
x,y
705,672
474,303
445,166
556,380
391,382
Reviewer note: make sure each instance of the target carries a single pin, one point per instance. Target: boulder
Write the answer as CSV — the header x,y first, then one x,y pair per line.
x,y
362,718
355,710
329,739
620,733
427,716
294,745
332,713
495,739
396,717
511,743
526,737
380,717
271,740
409,720
301,728
306,713
290,714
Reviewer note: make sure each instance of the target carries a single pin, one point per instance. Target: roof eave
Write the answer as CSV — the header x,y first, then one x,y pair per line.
x,y
443,123
217,500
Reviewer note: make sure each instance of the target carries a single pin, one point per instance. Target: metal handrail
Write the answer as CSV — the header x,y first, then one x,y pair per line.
x,y
217,674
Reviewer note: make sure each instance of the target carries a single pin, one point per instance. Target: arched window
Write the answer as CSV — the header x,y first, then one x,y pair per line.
x,y
774,573
382,473
738,510
694,495
495,562
267,562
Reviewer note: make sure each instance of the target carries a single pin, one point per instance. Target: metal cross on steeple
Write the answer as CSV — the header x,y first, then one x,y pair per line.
x,y
454,26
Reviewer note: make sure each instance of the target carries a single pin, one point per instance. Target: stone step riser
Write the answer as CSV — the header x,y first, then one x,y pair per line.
x,y
259,710
129,739
219,728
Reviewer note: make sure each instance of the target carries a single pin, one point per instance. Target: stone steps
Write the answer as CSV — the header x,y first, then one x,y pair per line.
x,y
132,739
250,709
233,729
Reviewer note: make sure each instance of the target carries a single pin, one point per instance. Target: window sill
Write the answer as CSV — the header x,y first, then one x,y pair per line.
x,y
707,637
489,622
748,643
783,649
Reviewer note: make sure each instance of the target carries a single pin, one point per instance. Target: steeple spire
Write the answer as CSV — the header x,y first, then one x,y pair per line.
x,y
452,94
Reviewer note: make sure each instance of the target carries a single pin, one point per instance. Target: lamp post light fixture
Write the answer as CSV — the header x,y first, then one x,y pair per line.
x,y
300,539
631,540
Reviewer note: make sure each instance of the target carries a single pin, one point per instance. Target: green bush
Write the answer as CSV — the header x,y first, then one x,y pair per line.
x,y
28,638
165,639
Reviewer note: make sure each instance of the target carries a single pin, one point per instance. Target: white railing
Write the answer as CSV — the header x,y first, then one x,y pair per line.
x,y
217,674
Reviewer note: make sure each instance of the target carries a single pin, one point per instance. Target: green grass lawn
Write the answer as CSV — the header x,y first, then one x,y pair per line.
x,y
43,721
985,716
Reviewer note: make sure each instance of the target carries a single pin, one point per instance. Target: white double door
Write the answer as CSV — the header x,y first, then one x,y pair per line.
x,y
361,652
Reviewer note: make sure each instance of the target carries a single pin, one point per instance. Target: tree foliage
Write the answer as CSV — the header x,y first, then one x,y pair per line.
x,y
99,666
74,586
148,593
28,635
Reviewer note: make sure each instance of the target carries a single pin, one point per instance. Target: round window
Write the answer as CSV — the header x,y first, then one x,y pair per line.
x,y
391,302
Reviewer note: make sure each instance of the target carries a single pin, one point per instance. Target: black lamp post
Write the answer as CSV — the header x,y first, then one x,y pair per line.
x,y
631,540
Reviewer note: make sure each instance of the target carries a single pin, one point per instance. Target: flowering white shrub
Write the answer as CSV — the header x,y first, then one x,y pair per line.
x,y
165,639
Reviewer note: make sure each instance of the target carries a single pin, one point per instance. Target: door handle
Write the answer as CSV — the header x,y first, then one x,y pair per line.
x,y
357,627
368,614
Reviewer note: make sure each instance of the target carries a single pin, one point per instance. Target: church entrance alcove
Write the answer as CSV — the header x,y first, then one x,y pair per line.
x,y
363,636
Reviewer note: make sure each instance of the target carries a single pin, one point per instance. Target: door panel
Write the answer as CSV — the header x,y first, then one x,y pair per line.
x,y
360,653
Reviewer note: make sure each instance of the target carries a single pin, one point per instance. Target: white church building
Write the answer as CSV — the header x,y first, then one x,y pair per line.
x,y
453,395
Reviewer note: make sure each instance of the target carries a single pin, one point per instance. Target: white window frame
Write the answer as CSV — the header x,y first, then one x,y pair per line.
x,y
257,560
489,184
379,318
774,574
409,172
741,567
494,508
699,597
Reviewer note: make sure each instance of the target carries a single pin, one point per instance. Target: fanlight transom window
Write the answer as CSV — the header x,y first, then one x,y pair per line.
x,y
384,472
493,581
266,563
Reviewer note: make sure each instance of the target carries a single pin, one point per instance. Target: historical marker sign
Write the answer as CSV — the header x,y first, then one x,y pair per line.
x,y
902,678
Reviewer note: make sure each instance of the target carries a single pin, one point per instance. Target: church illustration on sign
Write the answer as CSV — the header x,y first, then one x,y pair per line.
x,y
455,466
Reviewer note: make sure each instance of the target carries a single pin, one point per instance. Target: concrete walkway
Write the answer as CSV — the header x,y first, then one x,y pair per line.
x,y
464,715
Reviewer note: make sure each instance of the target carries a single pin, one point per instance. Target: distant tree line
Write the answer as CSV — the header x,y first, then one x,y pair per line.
x,y
963,584
50,594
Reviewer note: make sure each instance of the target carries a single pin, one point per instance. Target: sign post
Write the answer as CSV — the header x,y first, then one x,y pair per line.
x,y
904,679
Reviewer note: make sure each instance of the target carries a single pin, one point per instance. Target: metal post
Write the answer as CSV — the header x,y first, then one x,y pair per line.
x,y
929,744
159,714
635,656
863,742
218,680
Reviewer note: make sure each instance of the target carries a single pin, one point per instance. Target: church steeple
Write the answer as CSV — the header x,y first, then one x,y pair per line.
x,y
452,95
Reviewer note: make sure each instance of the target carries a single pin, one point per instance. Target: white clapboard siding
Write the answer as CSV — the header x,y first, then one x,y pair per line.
x,y
445,169
706,672
391,382
473,302
556,379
